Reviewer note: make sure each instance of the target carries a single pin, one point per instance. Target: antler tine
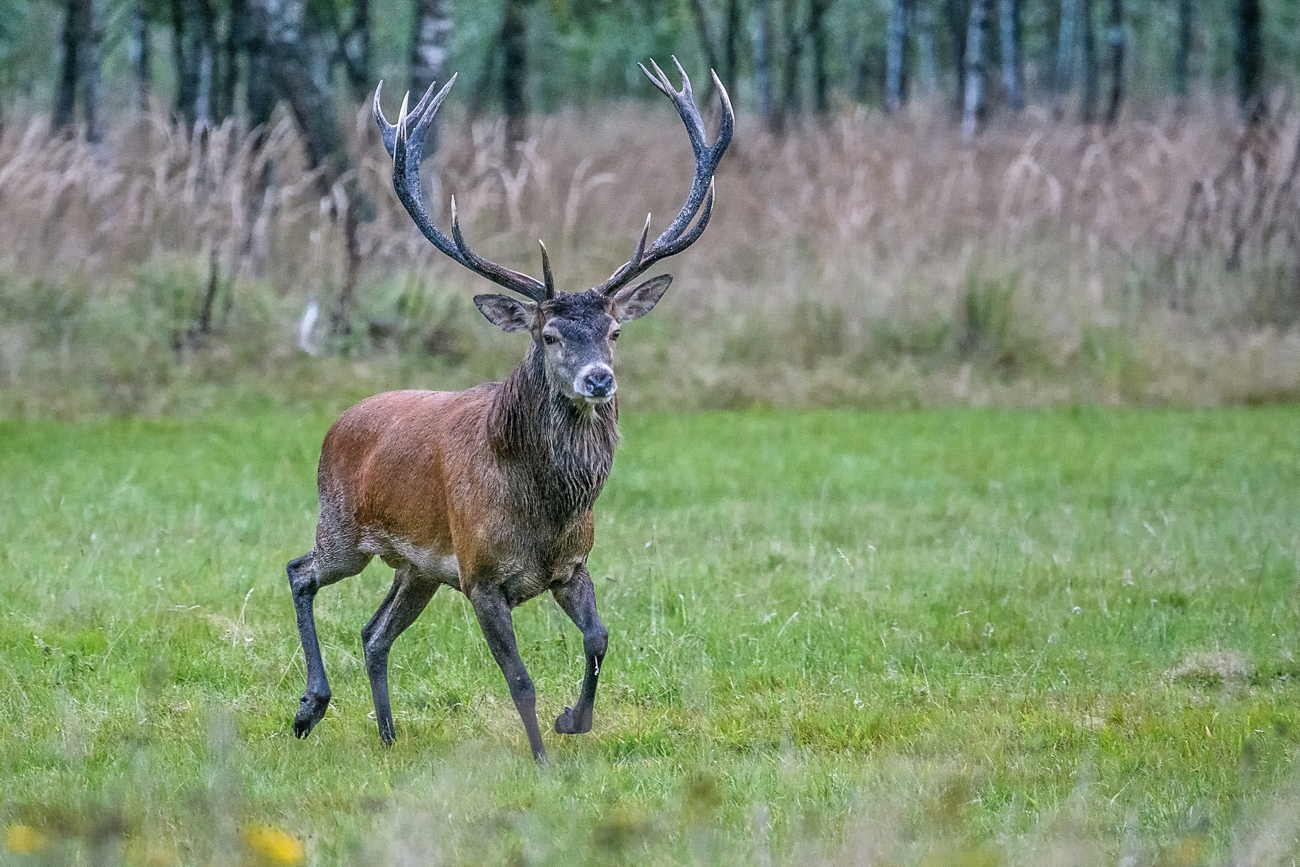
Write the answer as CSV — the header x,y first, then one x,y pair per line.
x,y
387,131
503,277
657,78
686,79
547,279
402,133
405,143
699,201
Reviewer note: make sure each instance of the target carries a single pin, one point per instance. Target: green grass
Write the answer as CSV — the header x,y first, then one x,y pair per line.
x,y
997,636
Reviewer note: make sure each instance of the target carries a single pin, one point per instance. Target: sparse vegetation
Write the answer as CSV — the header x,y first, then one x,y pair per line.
x,y
860,262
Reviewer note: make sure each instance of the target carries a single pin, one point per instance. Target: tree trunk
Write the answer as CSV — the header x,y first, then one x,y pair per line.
x,y
79,75
958,14
260,94
193,49
760,28
1088,104
929,67
1183,53
973,103
820,40
1013,77
140,53
91,79
1250,60
430,37
731,48
356,51
293,56
1115,39
896,56
1062,80
514,74
74,34
702,34
793,56
234,42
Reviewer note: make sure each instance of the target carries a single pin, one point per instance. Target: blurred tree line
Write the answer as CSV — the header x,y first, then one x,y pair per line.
x,y
782,59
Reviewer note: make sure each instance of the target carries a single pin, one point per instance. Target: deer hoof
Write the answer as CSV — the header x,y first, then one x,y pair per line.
x,y
310,711
567,723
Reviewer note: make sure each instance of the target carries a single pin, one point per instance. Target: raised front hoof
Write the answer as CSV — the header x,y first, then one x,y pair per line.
x,y
568,723
311,709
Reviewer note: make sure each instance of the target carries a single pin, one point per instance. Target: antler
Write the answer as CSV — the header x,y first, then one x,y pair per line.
x,y
405,144
700,199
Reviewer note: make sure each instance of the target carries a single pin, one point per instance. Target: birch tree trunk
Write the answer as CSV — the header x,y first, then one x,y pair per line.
x,y
896,56
973,103
1009,30
292,58
430,37
1115,41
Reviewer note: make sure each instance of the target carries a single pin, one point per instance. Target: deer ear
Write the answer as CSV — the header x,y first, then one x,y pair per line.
x,y
505,312
637,301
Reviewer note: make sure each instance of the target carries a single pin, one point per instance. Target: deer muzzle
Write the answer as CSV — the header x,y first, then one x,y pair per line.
x,y
595,383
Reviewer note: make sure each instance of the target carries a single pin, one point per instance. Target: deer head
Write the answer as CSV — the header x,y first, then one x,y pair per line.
x,y
574,332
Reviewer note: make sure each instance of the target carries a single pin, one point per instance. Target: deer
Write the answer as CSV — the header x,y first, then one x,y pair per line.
x,y
490,491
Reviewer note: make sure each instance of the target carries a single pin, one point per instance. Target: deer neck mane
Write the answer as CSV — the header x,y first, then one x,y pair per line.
x,y
561,449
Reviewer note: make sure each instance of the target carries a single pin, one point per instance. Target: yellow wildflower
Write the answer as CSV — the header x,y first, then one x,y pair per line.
x,y
273,846
23,839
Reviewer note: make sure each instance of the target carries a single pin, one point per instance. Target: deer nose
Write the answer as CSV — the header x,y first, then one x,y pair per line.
x,y
599,382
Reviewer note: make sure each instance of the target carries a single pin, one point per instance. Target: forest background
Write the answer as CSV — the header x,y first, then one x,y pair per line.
x,y
928,201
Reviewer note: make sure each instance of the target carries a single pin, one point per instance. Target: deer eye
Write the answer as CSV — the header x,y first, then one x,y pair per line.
x,y
550,339
614,336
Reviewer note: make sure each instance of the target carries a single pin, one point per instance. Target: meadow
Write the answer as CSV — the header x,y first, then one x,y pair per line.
x,y
1059,636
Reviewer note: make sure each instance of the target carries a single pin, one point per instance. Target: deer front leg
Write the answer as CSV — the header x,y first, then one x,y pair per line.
x,y
578,599
494,619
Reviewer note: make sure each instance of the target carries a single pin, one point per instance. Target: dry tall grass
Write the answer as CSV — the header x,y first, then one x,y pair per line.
x,y
862,260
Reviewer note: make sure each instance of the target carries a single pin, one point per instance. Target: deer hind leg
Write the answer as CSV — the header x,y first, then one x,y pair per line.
x,y
578,599
408,596
307,574
493,612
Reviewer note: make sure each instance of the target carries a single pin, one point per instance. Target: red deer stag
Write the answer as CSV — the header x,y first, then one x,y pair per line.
x,y
490,490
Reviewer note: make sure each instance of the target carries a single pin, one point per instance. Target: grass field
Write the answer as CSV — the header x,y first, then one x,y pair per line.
x,y
940,637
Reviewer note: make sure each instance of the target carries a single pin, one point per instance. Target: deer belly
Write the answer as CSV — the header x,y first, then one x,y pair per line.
x,y
398,551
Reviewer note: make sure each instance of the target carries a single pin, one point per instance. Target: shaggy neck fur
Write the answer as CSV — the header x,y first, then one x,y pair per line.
x,y
565,450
